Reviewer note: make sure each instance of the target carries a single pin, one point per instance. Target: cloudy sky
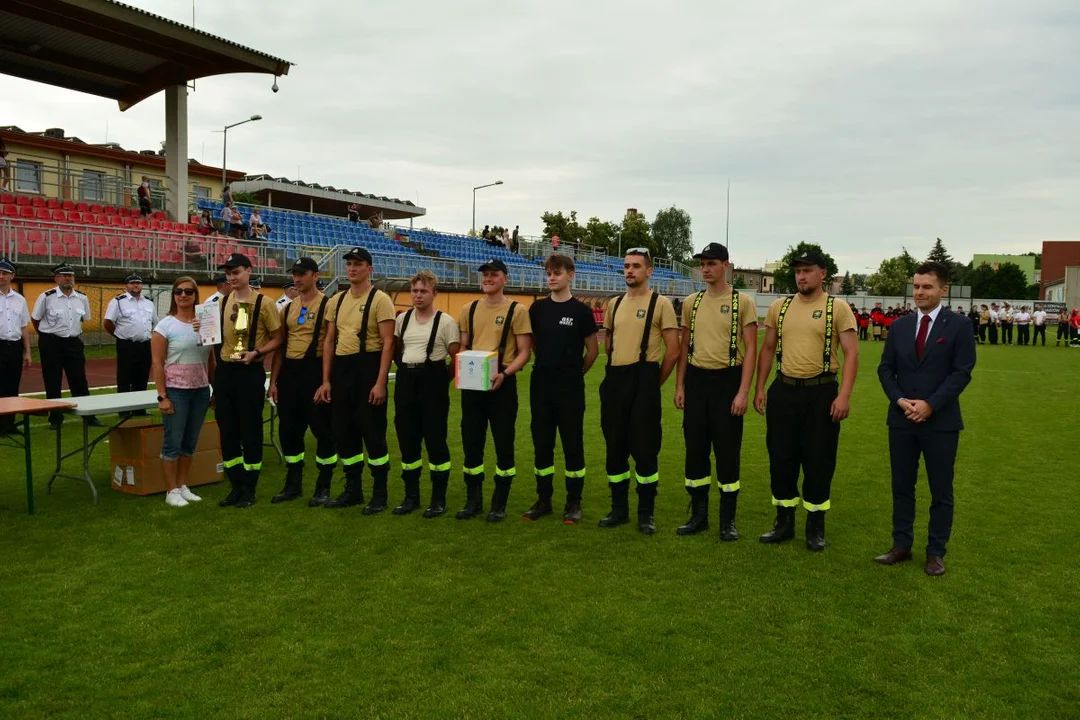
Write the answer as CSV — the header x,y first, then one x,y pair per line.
x,y
864,125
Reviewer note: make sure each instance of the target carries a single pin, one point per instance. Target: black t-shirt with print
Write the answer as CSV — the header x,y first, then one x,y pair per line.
x,y
559,332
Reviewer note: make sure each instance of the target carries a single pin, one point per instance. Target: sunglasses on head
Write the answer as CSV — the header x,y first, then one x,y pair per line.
x,y
183,291
638,251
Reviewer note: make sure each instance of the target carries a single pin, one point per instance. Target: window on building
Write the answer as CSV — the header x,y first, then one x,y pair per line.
x,y
27,176
202,192
92,185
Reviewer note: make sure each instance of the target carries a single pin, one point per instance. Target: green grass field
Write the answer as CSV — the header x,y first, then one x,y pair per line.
x,y
133,609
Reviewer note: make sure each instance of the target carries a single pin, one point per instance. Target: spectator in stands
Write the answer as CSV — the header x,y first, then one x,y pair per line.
x,y
514,238
5,171
376,220
354,213
486,235
206,223
506,240
182,370
258,229
144,196
234,221
226,195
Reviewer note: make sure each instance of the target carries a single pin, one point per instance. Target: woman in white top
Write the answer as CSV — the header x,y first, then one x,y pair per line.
x,y
182,370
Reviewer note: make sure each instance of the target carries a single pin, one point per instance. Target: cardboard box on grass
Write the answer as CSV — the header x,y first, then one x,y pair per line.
x,y
476,369
136,459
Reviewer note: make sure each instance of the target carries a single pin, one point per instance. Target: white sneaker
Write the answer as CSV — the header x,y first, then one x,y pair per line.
x,y
187,494
174,499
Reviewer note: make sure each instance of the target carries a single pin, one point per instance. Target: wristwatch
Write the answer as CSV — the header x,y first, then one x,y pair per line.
x,y
161,398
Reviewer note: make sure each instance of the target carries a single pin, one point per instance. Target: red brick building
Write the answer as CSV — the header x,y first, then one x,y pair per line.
x,y
1056,256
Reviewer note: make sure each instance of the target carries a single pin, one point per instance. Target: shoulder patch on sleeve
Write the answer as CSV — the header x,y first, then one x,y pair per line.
x,y
50,292
121,296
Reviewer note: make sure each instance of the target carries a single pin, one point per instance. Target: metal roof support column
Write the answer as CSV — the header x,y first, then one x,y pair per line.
x,y
176,152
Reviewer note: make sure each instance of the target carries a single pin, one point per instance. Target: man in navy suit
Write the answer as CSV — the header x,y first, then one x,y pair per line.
x,y
926,364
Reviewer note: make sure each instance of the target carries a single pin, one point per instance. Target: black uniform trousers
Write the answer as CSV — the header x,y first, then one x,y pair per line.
x,y
11,367
709,426
1006,333
132,365
557,405
1063,333
298,411
982,333
993,331
62,356
630,420
497,409
359,425
799,433
938,449
239,394
421,412
1023,334
1039,330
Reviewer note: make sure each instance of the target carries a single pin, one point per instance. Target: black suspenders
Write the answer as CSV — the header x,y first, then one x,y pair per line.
x,y
362,334
505,333
313,348
733,349
431,340
644,354
254,324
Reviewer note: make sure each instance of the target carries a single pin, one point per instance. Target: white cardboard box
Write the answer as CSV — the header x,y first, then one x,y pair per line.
x,y
476,369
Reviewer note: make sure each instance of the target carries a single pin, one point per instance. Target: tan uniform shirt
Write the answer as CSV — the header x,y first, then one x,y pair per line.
x,y
804,334
298,337
489,327
352,315
627,327
712,330
269,322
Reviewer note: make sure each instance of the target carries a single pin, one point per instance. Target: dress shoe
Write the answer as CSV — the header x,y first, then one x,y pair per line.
x,y
93,421
320,498
539,509
646,525
615,518
571,513
895,555
783,527
935,565
435,510
232,498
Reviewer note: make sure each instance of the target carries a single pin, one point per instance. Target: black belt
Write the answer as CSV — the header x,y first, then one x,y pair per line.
x,y
825,379
10,342
418,366
137,342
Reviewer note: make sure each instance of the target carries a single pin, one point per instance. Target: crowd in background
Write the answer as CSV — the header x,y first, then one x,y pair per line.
x,y
501,237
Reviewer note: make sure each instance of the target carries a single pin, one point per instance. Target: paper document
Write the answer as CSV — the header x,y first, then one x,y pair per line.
x,y
209,325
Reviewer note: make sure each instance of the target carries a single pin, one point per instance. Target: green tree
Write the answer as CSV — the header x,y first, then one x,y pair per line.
x,y
1009,282
635,232
566,227
672,235
847,285
784,278
740,283
981,280
602,234
1032,292
859,281
891,277
938,253
910,263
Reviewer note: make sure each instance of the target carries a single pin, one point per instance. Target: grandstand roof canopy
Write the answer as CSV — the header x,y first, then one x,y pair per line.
x,y
282,192
113,50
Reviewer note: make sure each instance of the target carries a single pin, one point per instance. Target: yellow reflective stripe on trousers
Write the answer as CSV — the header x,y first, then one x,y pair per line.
x,y
815,508
544,472
232,463
332,460
705,481
575,473
478,470
293,459
793,502
649,479
352,460
619,478
378,462
441,467
412,465
252,467
511,472
733,487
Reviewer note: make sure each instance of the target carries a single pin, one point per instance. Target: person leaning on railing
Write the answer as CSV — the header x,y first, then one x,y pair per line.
x,y
182,370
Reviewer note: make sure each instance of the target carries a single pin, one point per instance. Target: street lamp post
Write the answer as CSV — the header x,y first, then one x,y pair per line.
x,y
480,187
225,145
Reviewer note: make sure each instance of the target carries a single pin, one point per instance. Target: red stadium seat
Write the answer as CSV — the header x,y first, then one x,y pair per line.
x,y
101,219
6,199
68,205
22,200
114,241
35,236
43,213
73,250
142,224
69,238
38,202
52,203
110,210
271,263
106,252
160,215
113,220
11,210
24,247
156,225
26,211
72,216
129,221
95,209
82,207
39,249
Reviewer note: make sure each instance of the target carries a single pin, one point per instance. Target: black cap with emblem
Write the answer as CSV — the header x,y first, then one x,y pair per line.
x,y
236,260
494,264
305,264
713,251
358,253
810,257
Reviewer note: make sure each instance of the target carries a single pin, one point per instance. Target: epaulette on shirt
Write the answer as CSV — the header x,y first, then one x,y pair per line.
x,y
215,299
121,296
50,292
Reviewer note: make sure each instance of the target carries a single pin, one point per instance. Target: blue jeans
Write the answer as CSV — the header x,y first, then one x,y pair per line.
x,y
182,428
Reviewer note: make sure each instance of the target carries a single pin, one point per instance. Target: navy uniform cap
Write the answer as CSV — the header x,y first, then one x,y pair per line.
x,y
63,269
132,278
6,265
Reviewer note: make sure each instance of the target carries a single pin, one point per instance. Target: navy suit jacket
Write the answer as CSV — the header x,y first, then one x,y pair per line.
x,y
938,377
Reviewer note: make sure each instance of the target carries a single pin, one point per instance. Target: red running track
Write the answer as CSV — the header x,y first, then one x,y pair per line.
x,y
99,373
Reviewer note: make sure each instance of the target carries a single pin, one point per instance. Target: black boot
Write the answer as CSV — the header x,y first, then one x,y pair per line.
x,y
572,511
322,486
728,502
354,489
646,505
294,484
542,506
815,530
439,480
412,493
783,527
247,497
474,497
699,512
235,474
499,499
379,501
620,505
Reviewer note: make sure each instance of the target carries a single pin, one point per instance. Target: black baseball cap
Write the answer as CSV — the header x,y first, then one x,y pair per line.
x,y
359,253
811,257
5,264
305,264
235,260
713,251
133,277
494,264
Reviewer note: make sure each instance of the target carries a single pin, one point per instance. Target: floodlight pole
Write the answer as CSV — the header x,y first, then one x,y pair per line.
x,y
480,187
225,146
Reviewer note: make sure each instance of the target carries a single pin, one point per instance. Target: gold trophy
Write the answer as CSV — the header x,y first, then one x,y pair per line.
x,y
241,326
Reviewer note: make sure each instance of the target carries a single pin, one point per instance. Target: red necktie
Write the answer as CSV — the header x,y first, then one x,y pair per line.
x,y
920,339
